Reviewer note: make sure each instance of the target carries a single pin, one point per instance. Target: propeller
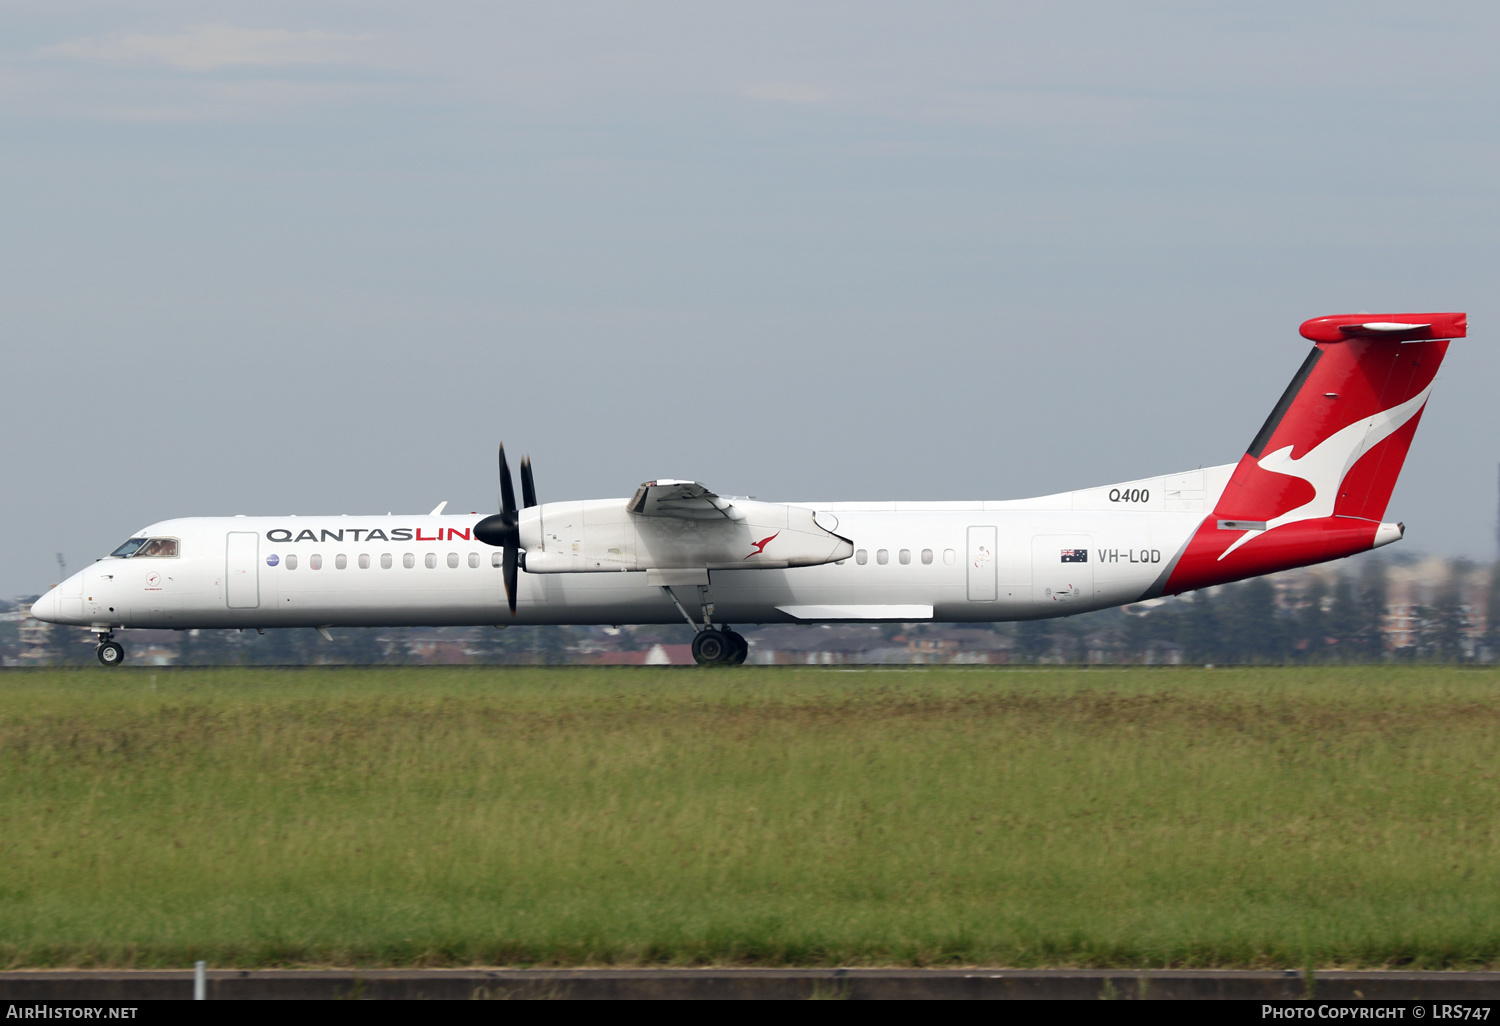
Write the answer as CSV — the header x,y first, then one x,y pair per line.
x,y
528,487
502,529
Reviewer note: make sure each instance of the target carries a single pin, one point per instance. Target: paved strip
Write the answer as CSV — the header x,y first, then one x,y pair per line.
x,y
783,984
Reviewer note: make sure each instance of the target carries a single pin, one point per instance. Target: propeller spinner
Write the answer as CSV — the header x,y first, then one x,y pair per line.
x,y
503,529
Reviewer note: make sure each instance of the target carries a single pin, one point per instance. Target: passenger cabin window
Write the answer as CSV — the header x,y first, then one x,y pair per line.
x,y
453,561
341,561
497,559
144,547
431,560
948,556
364,561
926,557
882,556
905,557
862,556
408,561
385,561
315,562
473,561
291,562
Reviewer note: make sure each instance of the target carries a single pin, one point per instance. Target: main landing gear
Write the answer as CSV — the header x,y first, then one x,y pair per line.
x,y
712,646
110,652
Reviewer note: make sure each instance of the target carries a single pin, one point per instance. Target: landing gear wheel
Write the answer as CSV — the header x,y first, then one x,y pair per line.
x,y
710,646
739,648
111,653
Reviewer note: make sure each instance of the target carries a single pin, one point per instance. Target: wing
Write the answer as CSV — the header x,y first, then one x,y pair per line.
x,y
685,500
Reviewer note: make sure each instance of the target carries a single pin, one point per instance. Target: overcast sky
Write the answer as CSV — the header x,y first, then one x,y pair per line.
x,y
320,257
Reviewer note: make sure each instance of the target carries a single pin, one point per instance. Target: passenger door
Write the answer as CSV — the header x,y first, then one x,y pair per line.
x,y
983,557
242,570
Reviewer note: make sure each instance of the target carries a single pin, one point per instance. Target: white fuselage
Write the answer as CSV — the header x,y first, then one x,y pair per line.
x,y
942,561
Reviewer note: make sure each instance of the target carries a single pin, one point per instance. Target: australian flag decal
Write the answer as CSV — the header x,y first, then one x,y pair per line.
x,y
1075,555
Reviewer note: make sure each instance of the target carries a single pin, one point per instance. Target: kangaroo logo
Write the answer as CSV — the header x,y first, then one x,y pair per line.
x,y
760,546
1325,465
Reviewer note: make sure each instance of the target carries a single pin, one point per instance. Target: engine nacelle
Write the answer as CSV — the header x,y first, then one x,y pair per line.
x,y
603,535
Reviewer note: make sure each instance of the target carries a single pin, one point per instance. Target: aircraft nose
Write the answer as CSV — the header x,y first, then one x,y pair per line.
x,y
46,607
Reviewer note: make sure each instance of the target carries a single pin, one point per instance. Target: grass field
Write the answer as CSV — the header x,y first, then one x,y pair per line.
x,y
1144,817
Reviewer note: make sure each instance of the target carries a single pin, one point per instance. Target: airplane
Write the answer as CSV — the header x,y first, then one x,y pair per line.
x,y
1313,486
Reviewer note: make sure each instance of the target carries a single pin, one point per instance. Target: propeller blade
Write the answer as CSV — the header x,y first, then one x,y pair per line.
x,y
528,486
511,584
507,490
502,530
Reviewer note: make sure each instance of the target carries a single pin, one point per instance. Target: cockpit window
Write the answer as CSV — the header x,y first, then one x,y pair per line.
x,y
141,547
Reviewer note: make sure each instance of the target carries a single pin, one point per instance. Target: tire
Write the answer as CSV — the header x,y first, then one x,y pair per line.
x,y
739,649
710,647
111,653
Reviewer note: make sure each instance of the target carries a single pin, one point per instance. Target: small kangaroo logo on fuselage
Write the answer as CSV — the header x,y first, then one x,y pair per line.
x,y
760,546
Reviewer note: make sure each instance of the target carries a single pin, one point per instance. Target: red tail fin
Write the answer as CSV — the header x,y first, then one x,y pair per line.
x,y
1316,480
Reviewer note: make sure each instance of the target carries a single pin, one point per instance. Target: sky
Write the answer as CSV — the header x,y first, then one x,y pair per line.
x,y
321,257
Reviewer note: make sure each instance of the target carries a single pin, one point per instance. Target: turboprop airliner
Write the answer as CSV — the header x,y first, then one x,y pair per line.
x,y
1313,486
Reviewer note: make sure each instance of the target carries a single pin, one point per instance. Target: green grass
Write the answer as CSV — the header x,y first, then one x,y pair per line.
x,y
1150,817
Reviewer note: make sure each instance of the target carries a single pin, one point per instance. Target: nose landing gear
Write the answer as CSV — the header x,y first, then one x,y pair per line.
x,y
109,652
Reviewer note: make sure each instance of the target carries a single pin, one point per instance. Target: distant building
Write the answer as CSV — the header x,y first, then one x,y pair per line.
x,y
823,645
437,648
656,655
941,644
38,647
1414,590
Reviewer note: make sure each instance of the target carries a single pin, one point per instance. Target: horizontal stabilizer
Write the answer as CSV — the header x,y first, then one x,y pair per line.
x,y
1390,327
